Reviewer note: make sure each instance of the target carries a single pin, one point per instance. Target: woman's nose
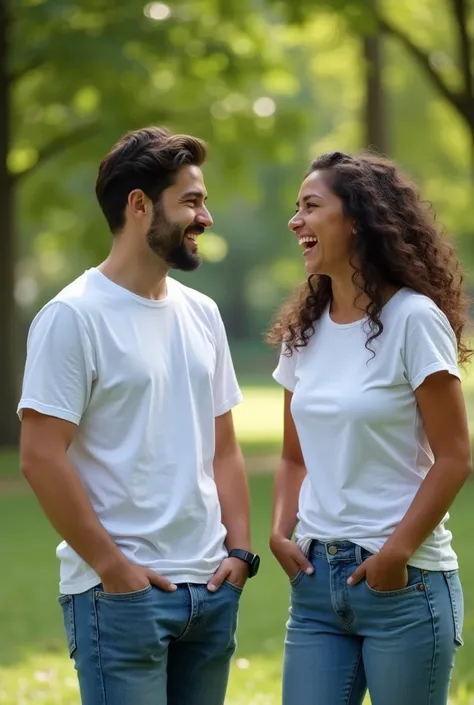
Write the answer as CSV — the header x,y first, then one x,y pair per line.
x,y
295,222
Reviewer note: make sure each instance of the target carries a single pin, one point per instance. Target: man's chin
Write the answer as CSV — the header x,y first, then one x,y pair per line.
x,y
186,262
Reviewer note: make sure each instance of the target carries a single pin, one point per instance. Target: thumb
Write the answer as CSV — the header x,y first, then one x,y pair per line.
x,y
162,583
304,564
217,579
357,575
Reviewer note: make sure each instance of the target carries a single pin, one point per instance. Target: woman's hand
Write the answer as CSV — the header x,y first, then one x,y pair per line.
x,y
290,556
382,572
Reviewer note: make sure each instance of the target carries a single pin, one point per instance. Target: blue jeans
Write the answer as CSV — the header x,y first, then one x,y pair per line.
x,y
152,647
343,639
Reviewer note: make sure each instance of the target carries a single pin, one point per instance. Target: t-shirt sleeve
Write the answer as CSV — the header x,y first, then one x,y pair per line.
x,y
226,390
285,372
430,345
60,367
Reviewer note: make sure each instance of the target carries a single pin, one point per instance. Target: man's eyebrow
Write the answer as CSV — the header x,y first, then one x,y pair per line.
x,y
194,194
308,196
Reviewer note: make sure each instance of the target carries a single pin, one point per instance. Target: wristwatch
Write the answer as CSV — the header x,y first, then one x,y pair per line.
x,y
251,559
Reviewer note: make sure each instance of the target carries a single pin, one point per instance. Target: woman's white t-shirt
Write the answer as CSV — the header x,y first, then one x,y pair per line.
x,y
359,426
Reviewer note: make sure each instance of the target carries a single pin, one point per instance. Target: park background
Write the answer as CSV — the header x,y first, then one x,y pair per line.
x,y
269,84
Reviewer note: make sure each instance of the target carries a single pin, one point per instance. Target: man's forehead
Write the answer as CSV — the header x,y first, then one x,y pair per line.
x,y
190,178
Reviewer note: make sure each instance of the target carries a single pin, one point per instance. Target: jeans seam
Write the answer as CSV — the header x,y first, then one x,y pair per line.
x,y
354,676
191,617
97,647
435,637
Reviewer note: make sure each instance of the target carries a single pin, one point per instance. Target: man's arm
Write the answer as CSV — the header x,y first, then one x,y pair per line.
x,y
234,498
59,372
45,465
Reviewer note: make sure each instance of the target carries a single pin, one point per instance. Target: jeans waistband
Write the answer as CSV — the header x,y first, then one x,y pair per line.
x,y
333,550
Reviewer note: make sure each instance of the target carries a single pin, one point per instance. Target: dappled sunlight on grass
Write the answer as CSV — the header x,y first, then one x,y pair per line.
x,y
51,680
34,667
46,679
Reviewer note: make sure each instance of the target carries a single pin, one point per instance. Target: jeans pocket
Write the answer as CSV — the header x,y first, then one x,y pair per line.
x,y
415,582
234,588
120,596
67,605
457,603
297,579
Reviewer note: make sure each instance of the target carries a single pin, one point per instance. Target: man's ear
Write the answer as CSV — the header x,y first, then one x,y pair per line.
x,y
138,203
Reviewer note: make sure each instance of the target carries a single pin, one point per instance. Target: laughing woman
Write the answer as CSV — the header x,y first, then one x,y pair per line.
x,y
376,443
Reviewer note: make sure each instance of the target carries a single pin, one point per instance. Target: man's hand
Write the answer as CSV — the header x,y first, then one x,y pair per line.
x,y
233,570
290,556
132,578
383,572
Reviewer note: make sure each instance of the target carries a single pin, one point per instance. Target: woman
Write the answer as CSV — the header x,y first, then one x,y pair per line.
x,y
376,443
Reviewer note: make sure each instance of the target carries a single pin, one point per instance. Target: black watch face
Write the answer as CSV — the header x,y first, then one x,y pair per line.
x,y
255,565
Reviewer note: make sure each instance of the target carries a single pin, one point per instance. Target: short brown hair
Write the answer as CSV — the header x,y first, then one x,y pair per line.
x,y
146,159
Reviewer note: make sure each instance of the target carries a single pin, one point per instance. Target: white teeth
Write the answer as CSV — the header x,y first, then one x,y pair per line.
x,y
191,236
304,240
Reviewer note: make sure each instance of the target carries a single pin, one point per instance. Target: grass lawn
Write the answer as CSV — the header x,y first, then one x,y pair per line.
x,y
33,664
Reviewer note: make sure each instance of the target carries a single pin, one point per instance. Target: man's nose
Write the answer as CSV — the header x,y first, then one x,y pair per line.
x,y
205,218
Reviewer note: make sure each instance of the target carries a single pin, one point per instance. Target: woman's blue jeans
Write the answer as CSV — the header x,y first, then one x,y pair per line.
x,y
342,640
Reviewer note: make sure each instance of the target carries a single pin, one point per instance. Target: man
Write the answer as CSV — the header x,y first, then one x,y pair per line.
x,y
128,442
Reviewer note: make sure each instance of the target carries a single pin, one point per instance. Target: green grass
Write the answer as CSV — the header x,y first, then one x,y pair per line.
x,y
33,664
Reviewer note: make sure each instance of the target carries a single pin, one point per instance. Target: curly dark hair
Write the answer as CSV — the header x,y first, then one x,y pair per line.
x,y
147,159
397,243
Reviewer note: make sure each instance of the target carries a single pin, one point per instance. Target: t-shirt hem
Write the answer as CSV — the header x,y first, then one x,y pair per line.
x,y
229,404
431,369
440,565
47,410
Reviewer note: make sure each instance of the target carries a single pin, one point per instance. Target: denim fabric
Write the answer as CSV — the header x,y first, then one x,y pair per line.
x,y
152,647
342,640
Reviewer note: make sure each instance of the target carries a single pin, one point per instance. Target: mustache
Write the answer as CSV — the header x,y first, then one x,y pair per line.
x,y
195,229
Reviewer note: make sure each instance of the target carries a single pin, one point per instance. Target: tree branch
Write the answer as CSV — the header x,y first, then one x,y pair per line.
x,y
58,145
456,99
465,58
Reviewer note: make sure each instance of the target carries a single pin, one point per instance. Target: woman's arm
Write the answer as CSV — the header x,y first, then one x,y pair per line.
x,y
288,481
441,404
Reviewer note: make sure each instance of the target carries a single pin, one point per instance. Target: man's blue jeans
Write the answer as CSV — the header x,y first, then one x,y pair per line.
x,y
343,639
152,647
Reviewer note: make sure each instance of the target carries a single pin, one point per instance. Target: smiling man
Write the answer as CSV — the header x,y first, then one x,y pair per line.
x,y
128,443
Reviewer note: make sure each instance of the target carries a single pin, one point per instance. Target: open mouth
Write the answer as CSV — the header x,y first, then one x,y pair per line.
x,y
309,242
193,233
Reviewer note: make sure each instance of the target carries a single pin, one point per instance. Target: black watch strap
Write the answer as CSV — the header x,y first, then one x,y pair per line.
x,y
251,559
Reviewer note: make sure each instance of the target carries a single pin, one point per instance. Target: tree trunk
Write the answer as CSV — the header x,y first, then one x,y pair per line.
x,y
9,426
376,119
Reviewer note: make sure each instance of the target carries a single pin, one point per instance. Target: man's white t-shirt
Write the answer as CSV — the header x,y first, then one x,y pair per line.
x,y
359,426
143,380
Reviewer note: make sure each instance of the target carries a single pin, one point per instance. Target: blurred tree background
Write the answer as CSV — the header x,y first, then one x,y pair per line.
x,y
268,83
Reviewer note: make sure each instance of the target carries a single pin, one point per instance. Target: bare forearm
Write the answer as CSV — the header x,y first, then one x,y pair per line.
x,y
288,481
66,505
434,498
234,497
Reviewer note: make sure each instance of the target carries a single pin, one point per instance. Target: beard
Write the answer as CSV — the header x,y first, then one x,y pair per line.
x,y
167,241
